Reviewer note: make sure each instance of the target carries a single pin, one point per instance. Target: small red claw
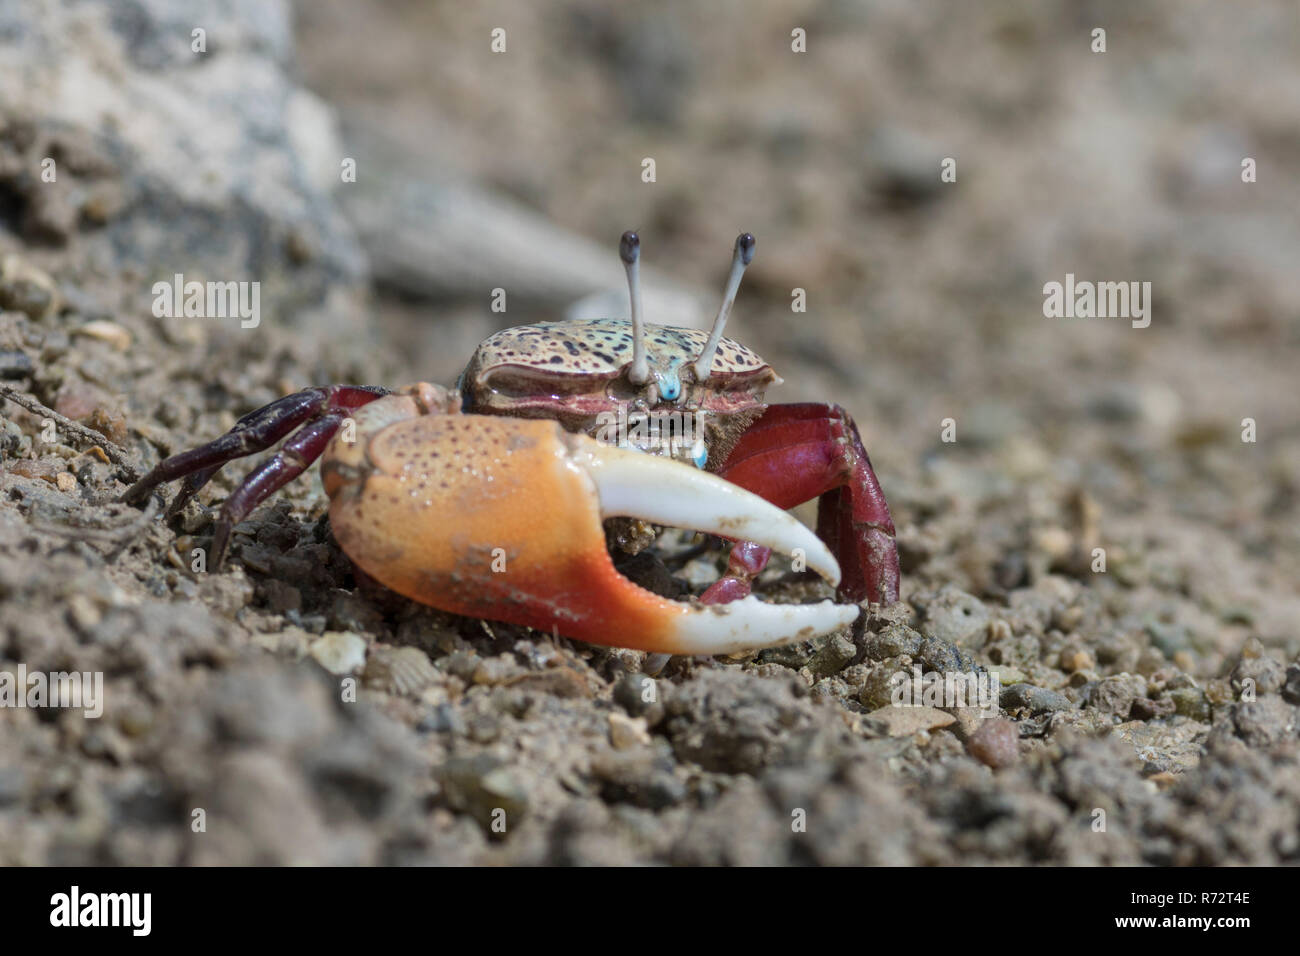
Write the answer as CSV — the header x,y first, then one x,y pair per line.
x,y
501,518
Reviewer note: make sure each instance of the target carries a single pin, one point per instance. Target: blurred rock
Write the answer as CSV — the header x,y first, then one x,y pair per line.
x,y
219,156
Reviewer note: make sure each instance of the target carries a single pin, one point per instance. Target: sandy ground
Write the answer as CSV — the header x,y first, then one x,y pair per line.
x,y
1149,711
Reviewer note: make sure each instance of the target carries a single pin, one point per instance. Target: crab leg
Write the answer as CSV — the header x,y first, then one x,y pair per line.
x,y
293,458
256,431
501,518
798,452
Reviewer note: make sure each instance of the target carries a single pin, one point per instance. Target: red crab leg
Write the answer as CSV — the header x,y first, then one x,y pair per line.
x,y
319,410
256,431
798,452
293,458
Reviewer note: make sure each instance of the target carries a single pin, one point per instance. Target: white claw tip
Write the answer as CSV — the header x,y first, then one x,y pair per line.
x,y
750,625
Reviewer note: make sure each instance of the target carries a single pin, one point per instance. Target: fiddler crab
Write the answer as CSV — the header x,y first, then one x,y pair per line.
x,y
489,499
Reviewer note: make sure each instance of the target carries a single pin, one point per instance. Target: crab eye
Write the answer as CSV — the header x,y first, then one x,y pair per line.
x,y
670,382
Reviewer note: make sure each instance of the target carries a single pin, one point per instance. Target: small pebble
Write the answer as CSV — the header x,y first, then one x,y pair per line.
x,y
626,732
339,652
905,721
1072,661
635,693
42,468
26,289
14,365
1036,699
109,332
1144,708
996,743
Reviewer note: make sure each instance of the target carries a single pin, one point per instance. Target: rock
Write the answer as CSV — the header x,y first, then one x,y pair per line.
x,y
14,364
639,777
1008,675
92,406
794,655
1264,722
1163,747
1168,638
461,664
1034,699
905,721
956,617
495,670
937,655
484,787
223,148
1267,674
339,652
1164,779
1115,695
280,596
996,743
895,640
105,331
1219,691
26,289
635,693
1291,689
879,685
1190,702
443,719
835,652
727,721
968,721
1146,709
625,732
268,810
46,469
565,682
1076,660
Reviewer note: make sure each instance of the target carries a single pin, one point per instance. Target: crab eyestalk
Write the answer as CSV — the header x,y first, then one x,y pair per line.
x,y
629,250
744,254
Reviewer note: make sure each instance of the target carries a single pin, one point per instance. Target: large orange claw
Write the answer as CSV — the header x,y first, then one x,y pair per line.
x,y
501,518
